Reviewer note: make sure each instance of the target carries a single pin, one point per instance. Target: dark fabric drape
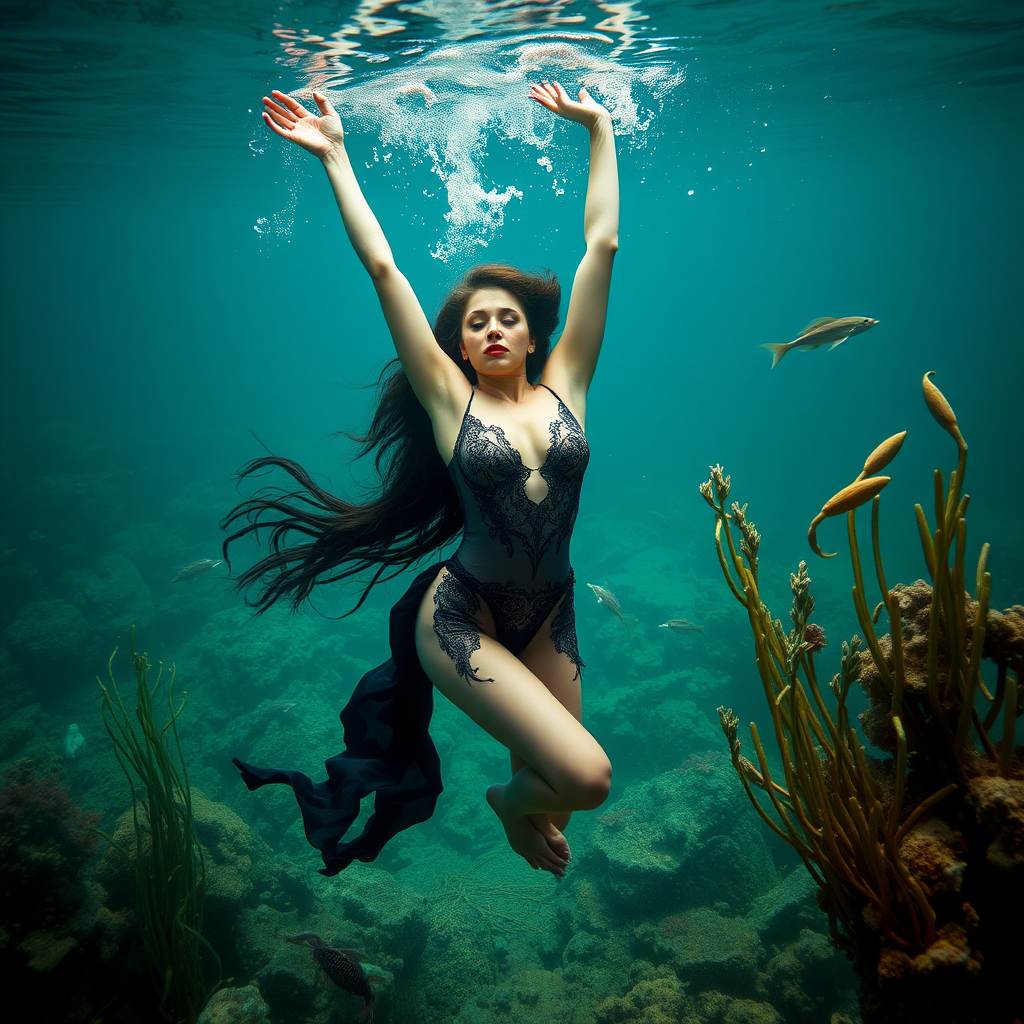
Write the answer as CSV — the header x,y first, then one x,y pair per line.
x,y
388,751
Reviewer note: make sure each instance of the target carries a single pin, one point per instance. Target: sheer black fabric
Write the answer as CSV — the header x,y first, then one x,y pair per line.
x,y
388,750
514,556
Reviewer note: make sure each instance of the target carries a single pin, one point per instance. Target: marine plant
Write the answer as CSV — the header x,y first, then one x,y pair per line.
x,y
918,858
169,863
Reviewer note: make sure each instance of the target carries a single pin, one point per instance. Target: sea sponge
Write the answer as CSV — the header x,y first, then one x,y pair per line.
x,y
931,851
1004,638
999,804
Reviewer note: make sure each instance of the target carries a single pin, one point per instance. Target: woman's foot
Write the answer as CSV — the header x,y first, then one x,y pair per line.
x,y
552,836
523,836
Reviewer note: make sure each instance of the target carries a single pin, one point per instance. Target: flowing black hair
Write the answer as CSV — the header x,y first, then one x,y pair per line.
x,y
316,537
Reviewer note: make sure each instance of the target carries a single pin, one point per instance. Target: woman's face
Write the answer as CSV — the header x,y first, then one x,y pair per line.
x,y
495,336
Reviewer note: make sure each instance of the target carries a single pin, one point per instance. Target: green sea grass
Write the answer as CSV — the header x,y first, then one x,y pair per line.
x,y
169,864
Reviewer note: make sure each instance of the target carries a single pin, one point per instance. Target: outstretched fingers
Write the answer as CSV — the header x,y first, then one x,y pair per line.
x,y
293,105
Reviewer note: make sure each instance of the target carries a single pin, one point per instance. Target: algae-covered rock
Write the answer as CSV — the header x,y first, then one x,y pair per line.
x,y
716,1008
236,1006
657,998
805,977
780,913
528,997
703,947
236,860
112,599
686,837
51,634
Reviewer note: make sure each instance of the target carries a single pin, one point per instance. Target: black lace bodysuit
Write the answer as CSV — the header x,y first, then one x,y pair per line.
x,y
514,554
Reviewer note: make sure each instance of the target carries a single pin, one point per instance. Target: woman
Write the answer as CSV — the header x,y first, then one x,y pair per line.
x,y
492,627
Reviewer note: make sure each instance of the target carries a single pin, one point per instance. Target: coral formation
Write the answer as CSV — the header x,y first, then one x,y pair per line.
x,y
914,857
45,840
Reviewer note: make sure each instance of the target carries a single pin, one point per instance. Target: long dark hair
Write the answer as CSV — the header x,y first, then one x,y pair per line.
x,y
415,510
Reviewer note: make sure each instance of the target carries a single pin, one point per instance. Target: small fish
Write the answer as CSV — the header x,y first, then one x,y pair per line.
x,y
826,330
682,626
194,569
342,966
273,709
608,599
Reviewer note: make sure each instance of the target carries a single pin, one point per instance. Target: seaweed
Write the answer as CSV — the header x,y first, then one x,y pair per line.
x,y
169,863
916,858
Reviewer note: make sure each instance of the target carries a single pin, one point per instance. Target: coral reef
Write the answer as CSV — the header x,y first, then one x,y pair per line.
x,y
45,840
916,858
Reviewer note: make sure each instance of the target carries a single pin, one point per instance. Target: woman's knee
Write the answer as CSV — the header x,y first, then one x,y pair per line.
x,y
586,785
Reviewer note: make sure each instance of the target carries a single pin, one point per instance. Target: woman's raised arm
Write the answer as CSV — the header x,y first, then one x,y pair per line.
x,y
574,359
430,371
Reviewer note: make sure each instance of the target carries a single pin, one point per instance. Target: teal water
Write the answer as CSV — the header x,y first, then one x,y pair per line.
x,y
175,281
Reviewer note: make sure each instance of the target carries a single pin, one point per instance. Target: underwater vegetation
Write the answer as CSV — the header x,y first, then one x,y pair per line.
x,y
169,862
918,859
44,842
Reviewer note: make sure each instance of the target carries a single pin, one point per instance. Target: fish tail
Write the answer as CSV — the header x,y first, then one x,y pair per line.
x,y
366,1016
778,350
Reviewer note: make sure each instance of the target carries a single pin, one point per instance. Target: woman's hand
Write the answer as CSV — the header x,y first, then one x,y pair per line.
x,y
292,121
587,111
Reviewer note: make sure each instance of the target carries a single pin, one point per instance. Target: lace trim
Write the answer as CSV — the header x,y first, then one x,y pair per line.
x,y
563,627
518,616
496,475
455,624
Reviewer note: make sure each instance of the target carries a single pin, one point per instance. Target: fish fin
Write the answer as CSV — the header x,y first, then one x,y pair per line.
x,y
835,343
778,349
817,323
353,954
374,979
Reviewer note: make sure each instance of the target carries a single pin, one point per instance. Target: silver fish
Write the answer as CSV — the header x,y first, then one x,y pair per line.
x,y
273,709
682,626
608,599
193,569
826,330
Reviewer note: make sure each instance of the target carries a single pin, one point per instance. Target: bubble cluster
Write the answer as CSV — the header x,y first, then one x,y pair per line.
x,y
444,103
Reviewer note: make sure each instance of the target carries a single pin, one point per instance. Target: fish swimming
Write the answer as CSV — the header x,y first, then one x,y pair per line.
x,y
608,599
273,709
682,626
193,569
342,966
826,330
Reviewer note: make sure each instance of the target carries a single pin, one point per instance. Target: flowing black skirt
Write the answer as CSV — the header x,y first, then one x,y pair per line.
x,y
388,751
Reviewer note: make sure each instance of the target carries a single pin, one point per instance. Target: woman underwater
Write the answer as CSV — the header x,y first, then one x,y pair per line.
x,y
493,626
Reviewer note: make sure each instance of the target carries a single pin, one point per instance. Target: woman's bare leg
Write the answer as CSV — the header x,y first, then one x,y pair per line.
x,y
561,676
564,769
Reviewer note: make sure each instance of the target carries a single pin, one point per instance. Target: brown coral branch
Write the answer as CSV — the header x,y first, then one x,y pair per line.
x,y
1006,747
